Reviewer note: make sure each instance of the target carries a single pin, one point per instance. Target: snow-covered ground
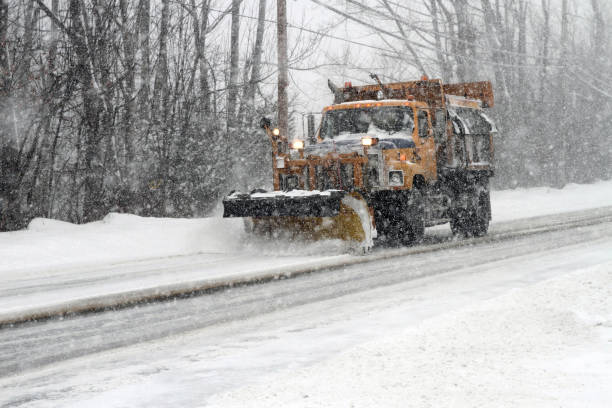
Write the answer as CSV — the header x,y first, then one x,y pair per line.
x,y
446,340
547,345
56,267
520,203
284,326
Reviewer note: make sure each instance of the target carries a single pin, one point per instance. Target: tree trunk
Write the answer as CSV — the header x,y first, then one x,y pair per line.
x,y
522,43
232,91
160,108
563,161
204,86
545,45
23,65
5,89
398,24
442,60
249,93
283,80
143,20
128,38
494,44
460,48
91,109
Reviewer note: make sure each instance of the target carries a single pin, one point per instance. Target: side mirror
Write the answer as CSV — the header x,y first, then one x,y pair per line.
x,y
265,123
311,129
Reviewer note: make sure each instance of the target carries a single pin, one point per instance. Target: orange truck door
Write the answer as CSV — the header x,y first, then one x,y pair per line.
x,y
425,144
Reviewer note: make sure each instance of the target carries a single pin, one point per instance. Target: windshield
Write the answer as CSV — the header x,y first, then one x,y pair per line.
x,y
381,121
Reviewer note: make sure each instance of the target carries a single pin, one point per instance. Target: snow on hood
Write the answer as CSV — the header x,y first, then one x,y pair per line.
x,y
349,143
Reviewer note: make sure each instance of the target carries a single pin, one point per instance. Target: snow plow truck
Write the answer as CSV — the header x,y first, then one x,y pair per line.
x,y
386,161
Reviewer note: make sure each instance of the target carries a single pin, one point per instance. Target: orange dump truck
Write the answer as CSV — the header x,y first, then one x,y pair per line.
x,y
387,161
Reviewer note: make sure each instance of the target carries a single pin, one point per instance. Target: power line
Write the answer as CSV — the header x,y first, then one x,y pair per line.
x,y
308,30
594,87
386,50
409,9
412,26
425,14
417,44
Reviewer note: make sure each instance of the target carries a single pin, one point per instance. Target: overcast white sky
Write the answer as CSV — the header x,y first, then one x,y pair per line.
x,y
309,87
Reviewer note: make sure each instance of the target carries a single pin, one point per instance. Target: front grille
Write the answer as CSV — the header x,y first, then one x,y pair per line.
x,y
347,180
372,172
338,176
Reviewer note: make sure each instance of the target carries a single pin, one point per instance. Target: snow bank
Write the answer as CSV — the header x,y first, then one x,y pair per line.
x,y
118,237
520,203
123,237
546,345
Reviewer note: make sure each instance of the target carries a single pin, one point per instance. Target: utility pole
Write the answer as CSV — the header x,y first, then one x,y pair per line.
x,y
283,80
564,161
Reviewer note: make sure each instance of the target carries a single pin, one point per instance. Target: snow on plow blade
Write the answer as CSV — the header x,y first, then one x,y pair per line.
x,y
281,204
310,215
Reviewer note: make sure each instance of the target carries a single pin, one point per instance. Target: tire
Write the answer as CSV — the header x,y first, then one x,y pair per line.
x,y
400,218
480,219
414,222
388,223
473,222
456,225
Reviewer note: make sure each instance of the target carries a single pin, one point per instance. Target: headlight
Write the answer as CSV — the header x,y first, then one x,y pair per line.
x,y
396,178
276,132
297,144
369,141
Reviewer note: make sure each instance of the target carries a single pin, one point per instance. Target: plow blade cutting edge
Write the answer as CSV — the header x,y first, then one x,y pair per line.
x,y
307,215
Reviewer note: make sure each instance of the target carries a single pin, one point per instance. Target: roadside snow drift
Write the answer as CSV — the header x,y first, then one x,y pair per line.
x,y
54,267
547,346
122,237
118,237
531,202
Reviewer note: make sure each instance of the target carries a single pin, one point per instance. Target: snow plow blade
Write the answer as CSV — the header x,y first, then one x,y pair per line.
x,y
307,215
280,204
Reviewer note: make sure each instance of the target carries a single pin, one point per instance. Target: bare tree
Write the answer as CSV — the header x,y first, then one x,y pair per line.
x,y
143,22
283,80
232,87
112,105
255,62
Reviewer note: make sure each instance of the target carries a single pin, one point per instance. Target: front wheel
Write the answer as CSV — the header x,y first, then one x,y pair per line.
x,y
399,218
414,223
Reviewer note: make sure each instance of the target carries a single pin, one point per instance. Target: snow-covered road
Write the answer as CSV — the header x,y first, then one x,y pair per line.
x,y
232,338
